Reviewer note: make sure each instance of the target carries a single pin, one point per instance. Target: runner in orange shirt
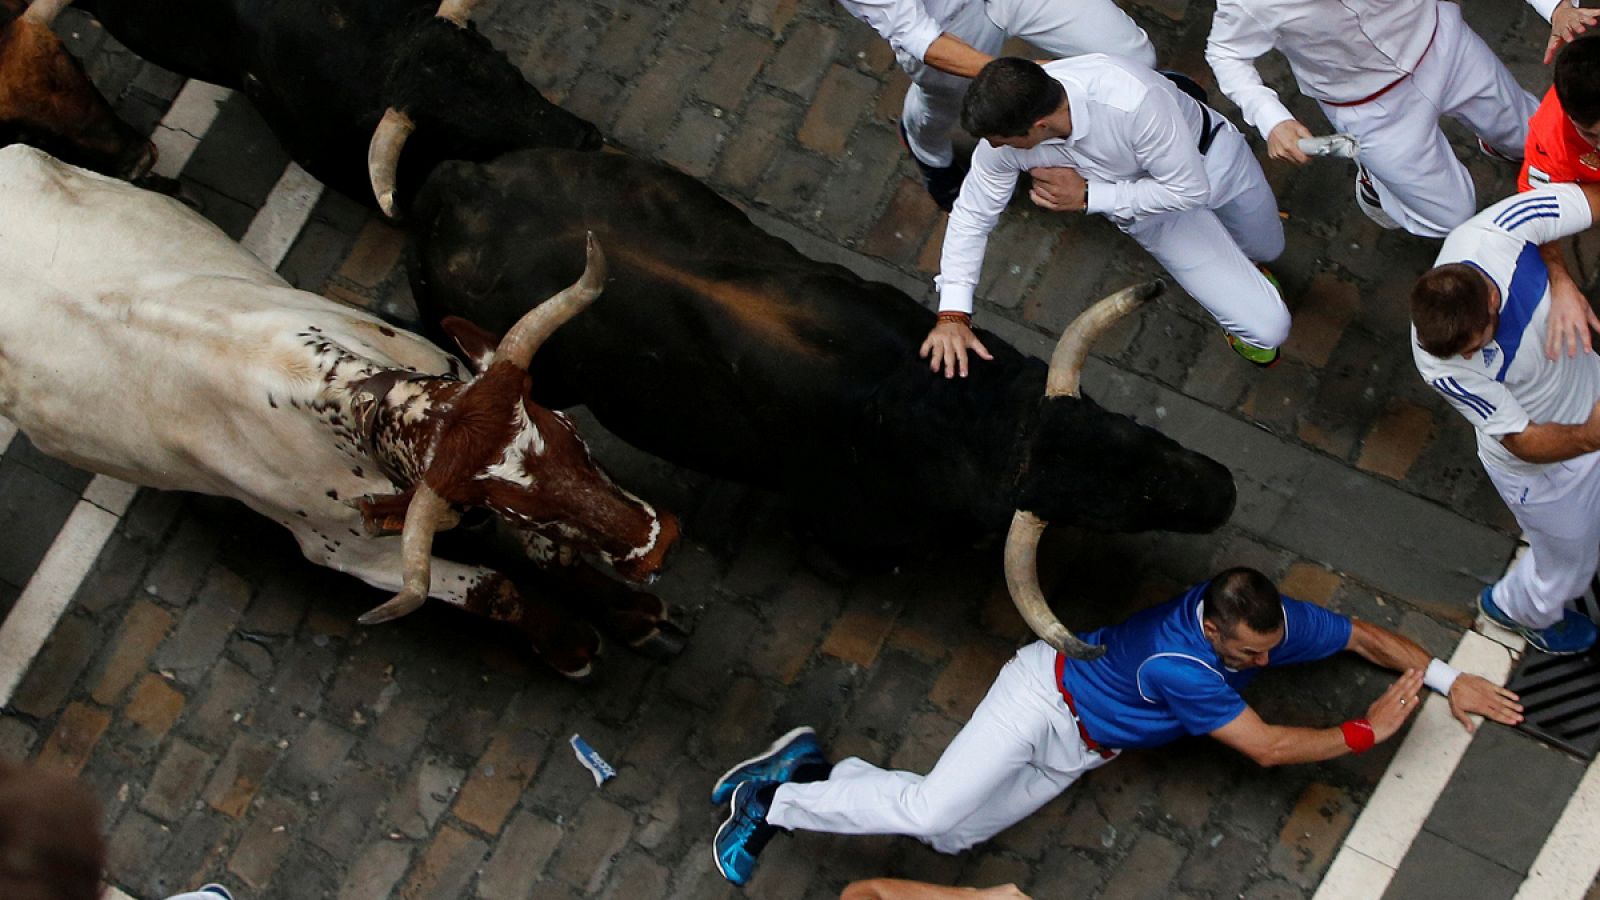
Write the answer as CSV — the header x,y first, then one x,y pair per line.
x,y
1564,148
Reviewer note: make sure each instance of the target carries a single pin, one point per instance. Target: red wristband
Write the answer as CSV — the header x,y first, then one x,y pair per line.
x,y
1358,735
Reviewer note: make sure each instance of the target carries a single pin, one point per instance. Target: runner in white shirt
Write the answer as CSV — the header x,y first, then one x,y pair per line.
x,y
1478,322
941,44
1384,71
1128,145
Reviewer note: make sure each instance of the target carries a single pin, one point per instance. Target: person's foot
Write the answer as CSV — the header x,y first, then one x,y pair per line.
x,y
775,764
1367,199
1260,357
1573,634
1493,152
943,184
740,839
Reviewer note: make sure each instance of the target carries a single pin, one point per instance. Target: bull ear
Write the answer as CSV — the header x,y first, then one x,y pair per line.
x,y
477,344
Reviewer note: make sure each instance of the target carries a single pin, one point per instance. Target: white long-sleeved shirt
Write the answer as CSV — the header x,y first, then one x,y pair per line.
x,y
1339,50
908,25
1134,140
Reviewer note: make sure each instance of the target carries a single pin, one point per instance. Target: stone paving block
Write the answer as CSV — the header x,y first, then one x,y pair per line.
x,y
240,774
351,811
240,157
705,662
265,842
859,181
629,38
22,452
972,669
154,706
133,844
834,112
496,782
204,626
375,254
424,798
651,106
198,845
773,15
314,874
118,572
1280,395
316,758
599,831
520,857
1220,864
695,142
143,627
68,748
296,690
182,563
224,701
742,719
1316,827
151,514
794,184
1320,316
376,871
1308,581
803,59
1397,440
362,680
755,142
17,738
173,787
57,667
900,231
636,875
733,68
858,634
33,507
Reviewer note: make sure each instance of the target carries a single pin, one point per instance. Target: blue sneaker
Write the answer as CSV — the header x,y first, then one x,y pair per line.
x,y
1572,635
741,837
217,889
776,763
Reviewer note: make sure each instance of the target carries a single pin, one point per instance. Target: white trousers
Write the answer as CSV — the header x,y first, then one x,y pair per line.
x,y
1559,511
1060,28
1020,749
1212,252
1420,182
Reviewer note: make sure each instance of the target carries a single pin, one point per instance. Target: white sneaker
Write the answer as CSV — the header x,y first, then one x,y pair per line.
x,y
1367,199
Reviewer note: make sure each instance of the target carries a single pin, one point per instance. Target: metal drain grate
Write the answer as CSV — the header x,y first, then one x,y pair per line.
x,y
1561,699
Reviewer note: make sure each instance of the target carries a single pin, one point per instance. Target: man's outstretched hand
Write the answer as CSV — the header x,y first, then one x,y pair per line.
x,y
1472,695
947,345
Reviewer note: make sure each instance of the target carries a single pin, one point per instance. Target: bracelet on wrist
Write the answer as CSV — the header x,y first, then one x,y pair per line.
x,y
959,318
1358,735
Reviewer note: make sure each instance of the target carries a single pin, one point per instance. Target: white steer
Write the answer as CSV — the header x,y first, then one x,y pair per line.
x,y
138,341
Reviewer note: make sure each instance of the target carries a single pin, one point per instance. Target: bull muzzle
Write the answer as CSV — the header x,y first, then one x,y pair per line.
x,y
1022,541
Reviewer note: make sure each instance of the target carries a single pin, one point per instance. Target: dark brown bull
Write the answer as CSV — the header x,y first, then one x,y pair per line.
x,y
48,101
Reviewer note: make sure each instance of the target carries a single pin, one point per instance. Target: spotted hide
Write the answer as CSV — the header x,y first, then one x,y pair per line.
x,y
138,341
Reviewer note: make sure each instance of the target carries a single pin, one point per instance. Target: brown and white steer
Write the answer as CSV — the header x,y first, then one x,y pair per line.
x,y
138,341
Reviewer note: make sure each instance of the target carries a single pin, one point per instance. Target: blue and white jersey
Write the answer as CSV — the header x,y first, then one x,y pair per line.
x,y
1160,680
1509,384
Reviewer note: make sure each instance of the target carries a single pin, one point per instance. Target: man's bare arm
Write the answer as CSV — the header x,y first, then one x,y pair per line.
x,y
1547,442
951,54
1278,745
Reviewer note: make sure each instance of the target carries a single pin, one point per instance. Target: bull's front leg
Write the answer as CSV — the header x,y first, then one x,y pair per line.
x,y
638,619
565,642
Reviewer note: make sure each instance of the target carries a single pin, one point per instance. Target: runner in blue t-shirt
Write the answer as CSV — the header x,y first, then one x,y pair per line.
x,y
1170,671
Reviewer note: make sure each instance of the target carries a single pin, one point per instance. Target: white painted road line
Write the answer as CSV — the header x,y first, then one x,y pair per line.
x,y
186,122
1411,785
1567,863
282,217
49,591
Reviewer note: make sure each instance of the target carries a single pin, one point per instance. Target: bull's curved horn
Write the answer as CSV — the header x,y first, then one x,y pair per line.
x,y
457,11
416,549
383,156
1066,363
531,331
1022,579
44,12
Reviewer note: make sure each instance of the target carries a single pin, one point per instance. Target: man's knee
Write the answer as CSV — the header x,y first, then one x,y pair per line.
x,y
1270,328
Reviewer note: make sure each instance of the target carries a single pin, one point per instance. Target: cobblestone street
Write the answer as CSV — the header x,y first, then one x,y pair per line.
x,y
238,726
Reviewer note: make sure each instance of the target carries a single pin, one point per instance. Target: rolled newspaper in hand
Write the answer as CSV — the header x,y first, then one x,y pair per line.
x,y
1343,145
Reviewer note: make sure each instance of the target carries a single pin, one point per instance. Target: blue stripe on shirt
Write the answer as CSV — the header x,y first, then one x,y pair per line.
x,y
1452,388
1522,206
1529,283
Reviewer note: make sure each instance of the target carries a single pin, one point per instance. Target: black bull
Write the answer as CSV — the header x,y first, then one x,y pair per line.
x,y
723,349
323,72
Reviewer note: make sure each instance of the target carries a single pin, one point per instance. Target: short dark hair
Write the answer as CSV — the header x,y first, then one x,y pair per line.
x,y
1449,308
1007,97
1577,78
1243,595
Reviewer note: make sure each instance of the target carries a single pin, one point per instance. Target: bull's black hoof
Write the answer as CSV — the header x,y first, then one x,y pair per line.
x,y
665,642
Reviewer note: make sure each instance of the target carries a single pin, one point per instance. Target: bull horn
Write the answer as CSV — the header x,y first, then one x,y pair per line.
x,y
425,514
1022,579
1066,363
44,12
531,331
383,156
457,11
